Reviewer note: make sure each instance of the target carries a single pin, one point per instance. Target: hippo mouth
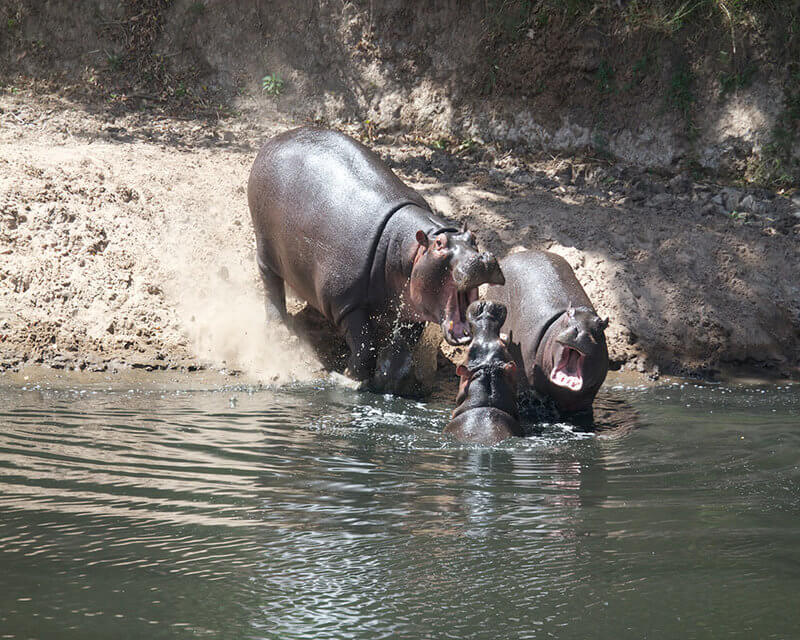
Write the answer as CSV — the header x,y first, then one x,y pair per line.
x,y
454,323
568,373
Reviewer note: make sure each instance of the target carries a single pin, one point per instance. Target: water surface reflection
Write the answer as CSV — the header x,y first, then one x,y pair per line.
x,y
314,512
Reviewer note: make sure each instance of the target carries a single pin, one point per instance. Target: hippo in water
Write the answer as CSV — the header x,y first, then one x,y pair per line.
x,y
332,221
554,332
486,410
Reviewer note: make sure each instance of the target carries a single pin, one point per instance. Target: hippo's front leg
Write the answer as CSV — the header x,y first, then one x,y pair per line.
x,y
359,333
394,371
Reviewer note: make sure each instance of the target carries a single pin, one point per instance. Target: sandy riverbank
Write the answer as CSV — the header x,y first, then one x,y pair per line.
x,y
125,241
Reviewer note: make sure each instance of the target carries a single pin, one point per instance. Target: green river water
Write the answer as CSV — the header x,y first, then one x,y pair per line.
x,y
315,512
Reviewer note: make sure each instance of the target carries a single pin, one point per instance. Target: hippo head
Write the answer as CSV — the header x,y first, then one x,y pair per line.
x,y
489,373
486,319
580,336
446,274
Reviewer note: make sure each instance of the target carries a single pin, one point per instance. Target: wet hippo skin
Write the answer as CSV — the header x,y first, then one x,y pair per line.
x,y
361,247
554,332
486,405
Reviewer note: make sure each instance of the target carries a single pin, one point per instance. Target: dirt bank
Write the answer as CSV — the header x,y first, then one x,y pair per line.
x,y
125,239
707,85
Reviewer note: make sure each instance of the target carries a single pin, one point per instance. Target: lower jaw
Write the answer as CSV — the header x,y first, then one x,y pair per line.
x,y
565,381
450,326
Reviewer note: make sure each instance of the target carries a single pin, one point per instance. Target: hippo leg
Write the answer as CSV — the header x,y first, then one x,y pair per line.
x,y
394,372
359,333
275,303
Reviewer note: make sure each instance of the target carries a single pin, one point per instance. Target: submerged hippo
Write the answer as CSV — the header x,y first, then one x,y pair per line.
x,y
486,410
554,332
365,250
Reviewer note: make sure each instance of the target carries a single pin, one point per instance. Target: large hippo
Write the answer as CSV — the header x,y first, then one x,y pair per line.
x,y
364,249
486,405
554,332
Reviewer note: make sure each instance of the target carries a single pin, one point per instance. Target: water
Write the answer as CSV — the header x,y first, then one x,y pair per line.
x,y
320,513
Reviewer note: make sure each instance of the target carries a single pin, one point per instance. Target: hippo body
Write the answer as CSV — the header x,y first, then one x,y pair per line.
x,y
554,332
361,247
486,405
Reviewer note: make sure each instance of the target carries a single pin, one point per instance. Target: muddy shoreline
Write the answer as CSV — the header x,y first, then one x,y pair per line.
x,y
125,242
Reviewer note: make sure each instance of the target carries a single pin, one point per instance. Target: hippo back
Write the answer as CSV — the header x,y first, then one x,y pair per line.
x,y
539,286
319,202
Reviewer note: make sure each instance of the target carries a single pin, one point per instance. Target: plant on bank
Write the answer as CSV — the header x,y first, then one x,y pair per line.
x,y
272,84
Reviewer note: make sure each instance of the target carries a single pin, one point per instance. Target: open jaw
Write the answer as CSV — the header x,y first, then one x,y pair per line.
x,y
454,321
568,372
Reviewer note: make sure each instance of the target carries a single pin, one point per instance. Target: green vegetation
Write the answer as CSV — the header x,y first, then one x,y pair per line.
x,y
641,68
737,75
114,61
491,78
605,77
731,81
777,165
272,84
663,17
468,145
679,94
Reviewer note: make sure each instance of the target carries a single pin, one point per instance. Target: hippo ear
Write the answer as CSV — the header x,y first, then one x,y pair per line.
x,y
422,238
603,324
495,273
570,311
462,371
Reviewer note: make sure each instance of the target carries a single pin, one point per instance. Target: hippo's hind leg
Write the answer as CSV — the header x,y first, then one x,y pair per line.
x,y
276,292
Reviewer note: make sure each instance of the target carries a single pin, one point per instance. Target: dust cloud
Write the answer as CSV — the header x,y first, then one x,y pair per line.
x,y
219,302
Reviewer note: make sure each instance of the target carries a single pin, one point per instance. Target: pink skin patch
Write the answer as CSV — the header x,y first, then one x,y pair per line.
x,y
454,323
568,372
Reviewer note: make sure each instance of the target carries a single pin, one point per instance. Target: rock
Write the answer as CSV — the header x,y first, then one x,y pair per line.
x,y
680,183
564,176
659,200
749,203
521,177
708,209
732,198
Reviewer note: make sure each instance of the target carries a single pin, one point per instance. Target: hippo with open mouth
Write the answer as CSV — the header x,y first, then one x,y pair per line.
x,y
333,222
554,332
486,405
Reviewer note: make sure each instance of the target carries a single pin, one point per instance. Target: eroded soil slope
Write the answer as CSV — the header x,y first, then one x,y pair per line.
x,y
128,239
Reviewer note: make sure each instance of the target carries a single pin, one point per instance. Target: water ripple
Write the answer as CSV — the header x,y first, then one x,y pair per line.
x,y
313,512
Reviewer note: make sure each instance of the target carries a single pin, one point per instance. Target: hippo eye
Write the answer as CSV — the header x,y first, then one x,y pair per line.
x,y
441,242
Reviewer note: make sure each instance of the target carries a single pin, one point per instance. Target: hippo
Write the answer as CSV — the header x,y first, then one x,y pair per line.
x,y
333,222
556,336
486,405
